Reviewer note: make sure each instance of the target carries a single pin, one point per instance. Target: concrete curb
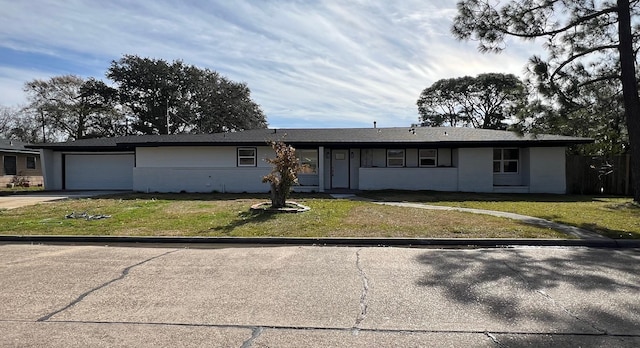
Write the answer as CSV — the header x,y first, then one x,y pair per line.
x,y
213,242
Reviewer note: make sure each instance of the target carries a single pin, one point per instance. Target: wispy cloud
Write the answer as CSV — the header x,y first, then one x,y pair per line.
x,y
308,63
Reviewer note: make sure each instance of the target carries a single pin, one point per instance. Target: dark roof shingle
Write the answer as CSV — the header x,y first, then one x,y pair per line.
x,y
364,137
14,146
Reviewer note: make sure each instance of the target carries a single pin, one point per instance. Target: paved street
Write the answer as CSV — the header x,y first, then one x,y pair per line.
x,y
100,296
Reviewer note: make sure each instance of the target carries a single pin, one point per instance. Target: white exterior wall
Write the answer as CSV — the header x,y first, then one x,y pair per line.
x,y
51,169
200,179
197,156
547,170
437,179
198,169
475,169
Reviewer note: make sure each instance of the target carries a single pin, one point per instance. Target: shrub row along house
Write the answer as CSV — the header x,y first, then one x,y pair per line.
x,y
442,159
20,166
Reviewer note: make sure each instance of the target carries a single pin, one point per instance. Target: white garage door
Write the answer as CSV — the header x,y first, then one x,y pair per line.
x,y
99,172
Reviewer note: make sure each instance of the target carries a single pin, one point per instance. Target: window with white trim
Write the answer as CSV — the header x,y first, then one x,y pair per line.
x,y
506,160
246,157
308,161
395,158
428,157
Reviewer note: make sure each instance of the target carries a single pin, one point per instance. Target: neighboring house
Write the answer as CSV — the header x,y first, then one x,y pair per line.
x,y
442,159
19,164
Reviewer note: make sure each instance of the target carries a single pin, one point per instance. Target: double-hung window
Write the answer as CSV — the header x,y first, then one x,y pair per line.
x,y
506,160
395,158
428,157
247,157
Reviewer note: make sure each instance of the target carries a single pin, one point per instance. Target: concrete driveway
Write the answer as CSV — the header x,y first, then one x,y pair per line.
x,y
32,198
81,296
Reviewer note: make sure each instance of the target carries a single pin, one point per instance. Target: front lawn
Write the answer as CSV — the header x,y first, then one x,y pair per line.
x,y
229,215
613,217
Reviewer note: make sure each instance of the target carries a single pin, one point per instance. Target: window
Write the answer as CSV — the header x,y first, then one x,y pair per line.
x,y
31,162
246,157
428,157
505,160
308,161
9,164
395,158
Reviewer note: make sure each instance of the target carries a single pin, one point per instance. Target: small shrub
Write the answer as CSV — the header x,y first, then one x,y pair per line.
x,y
284,174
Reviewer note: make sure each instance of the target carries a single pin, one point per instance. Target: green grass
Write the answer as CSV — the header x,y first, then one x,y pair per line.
x,y
229,215
613,217
6,191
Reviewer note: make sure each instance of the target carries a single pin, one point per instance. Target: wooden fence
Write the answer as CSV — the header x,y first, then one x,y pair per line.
x,y
598,174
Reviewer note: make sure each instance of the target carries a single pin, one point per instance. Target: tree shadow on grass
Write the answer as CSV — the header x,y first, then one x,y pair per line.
x,y
243,218
573,292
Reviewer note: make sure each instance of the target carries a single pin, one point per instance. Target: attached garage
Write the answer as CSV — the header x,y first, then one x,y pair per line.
x,y
98,171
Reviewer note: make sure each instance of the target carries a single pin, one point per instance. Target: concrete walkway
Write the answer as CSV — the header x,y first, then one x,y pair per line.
x,y
570,230
33,198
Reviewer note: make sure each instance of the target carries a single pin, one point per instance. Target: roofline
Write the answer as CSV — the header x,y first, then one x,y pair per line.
x,y
129,146
26,151
116,147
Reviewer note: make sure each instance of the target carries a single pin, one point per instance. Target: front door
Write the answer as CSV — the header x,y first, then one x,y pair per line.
x,y
10,166
340,169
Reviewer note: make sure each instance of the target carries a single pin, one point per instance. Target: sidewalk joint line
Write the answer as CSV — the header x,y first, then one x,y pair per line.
x,y
349,329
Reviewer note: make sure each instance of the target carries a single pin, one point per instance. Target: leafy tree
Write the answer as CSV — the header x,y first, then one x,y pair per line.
x,y
284,174
7,118
168,98
597,113
73,108
485,101
19,124
587,41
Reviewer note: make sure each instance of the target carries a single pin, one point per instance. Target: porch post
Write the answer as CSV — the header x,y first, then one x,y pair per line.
x,y
321,169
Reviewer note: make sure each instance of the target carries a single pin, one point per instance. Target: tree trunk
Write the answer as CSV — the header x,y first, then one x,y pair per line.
x,y
630,90
278,196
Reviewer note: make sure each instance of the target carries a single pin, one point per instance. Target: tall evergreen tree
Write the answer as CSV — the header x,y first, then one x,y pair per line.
x,y
587,41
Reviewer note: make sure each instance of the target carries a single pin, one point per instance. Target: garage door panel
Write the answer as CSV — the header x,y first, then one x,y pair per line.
x,y
99,172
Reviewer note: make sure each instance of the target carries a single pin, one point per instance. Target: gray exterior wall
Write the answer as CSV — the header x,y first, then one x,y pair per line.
x,y
547,170
475,169
215,169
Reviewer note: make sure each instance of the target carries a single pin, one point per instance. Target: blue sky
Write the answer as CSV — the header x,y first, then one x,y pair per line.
x,y
309,64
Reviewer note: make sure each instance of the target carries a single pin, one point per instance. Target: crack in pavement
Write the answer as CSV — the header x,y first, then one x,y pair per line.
x,y
257,330
553,301
255,333
493,338
365,291
123,274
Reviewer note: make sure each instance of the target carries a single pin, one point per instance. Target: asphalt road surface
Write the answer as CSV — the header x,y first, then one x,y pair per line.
x,y
100,296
